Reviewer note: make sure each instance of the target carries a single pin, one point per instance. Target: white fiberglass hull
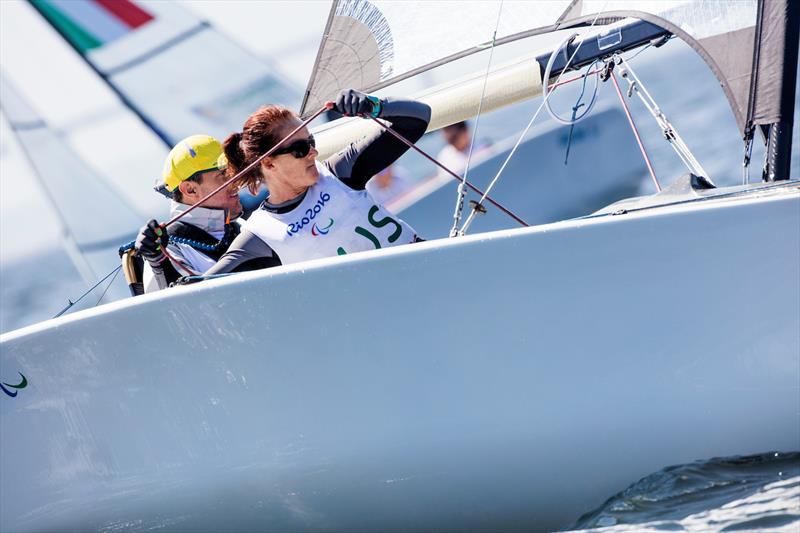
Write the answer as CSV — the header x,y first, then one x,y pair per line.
x,y
510,380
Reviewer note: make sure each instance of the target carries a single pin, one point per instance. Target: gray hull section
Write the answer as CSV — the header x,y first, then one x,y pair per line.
x,y
510,380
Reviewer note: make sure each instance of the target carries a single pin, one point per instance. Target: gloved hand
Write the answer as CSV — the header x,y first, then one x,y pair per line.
x,y
352,103
151,241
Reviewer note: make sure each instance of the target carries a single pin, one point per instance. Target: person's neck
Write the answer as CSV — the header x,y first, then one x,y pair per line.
x,y
284,193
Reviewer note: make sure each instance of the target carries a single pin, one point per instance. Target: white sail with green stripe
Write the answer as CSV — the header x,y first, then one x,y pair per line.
x,y
93,24
176,71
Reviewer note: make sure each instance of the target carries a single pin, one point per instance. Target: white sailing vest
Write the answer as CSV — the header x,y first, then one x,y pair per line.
x,y
332,219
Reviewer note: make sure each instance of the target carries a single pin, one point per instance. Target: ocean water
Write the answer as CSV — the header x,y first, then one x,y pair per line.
x,y
753,493
750,493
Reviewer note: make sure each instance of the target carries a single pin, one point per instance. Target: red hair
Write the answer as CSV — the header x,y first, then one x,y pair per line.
x,y
259,134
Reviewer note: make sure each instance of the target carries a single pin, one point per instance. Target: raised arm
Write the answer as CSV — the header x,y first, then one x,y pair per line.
x,y
357,163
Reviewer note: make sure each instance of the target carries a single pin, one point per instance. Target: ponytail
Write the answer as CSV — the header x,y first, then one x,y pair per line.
x,y
237,161
260,133
234,154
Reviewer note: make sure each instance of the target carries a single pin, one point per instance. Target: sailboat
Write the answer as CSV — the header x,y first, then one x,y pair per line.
x,y
506,380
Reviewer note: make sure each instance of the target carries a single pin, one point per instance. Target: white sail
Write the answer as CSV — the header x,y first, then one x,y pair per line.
x,y
90,235
370,44
178,72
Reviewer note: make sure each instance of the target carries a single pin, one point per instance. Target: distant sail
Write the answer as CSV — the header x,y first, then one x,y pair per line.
x,y
176,71
90,235
369,44
90,25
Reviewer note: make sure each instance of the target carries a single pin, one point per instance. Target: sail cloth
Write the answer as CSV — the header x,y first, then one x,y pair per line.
x,y
370,44
71,186
176,71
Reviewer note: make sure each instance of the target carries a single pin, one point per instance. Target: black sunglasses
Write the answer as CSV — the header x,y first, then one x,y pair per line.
x,y
299,148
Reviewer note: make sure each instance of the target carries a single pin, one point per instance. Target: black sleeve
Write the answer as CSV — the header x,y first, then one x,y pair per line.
x,y
357,163
246,252
164,273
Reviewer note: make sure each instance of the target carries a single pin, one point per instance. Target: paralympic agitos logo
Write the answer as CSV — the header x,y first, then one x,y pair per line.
x,y
19,386
316,230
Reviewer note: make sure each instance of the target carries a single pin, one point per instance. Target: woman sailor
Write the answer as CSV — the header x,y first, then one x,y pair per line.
x,y
319,209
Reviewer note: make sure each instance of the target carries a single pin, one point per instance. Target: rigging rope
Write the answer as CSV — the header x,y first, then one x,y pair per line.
x,y
476,208
669,131
461,190
635,131
93,287
110,283
545,90
578,105
453,174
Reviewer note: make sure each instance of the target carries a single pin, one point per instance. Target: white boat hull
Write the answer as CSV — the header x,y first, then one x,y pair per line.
x,y
509,380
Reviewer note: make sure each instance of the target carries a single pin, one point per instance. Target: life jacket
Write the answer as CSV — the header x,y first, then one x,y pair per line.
x,y
332,219
189,234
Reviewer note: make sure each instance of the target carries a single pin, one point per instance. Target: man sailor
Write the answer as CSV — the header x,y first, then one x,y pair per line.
x,y
193,169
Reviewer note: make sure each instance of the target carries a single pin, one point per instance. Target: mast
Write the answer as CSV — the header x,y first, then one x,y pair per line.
x,y
773,83
779,141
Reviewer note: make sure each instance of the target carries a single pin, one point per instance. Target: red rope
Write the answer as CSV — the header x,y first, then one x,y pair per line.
x,y
453,174
635,131
576,78
252,165
178,262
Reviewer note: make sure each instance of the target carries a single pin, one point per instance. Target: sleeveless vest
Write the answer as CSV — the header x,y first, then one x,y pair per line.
x,y
331,220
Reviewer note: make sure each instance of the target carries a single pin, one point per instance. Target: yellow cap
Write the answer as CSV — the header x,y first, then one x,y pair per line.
x,y
191,156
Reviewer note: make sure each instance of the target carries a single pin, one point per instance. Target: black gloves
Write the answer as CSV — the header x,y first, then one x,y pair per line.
x,y
352,103
151,241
